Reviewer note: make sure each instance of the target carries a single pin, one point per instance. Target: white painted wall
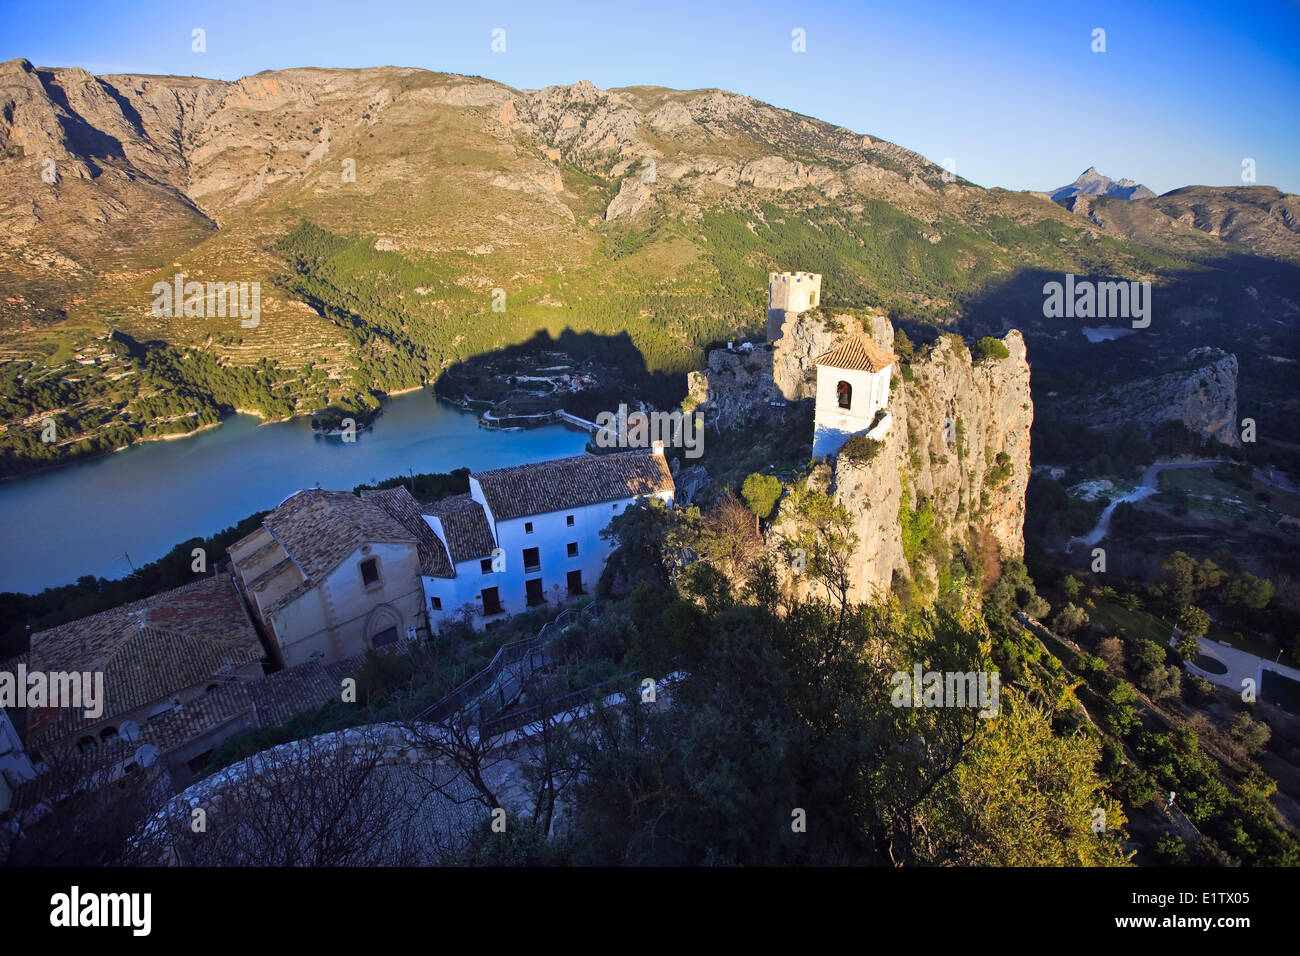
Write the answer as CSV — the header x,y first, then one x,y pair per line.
x,y
833,426
336,619
15,766
551,534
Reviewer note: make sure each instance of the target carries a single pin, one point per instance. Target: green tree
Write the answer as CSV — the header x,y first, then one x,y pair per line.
x,y
1069,620
1248,591
1252,735
761,493
1193,621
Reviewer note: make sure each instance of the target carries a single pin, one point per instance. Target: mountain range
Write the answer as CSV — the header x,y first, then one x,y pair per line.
x,y
387,212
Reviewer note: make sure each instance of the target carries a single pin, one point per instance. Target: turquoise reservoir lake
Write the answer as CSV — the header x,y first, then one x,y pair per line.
x,y
84,519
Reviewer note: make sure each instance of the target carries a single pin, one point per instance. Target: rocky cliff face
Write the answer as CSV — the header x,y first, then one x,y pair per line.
x,y
952,421
739,386
1201,393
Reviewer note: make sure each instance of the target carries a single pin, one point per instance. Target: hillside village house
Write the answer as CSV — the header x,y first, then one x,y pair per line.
x,y
327,576
165,660
330,574
852,387
530,534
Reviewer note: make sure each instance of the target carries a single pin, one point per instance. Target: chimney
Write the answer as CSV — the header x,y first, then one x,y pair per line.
x,y
658,447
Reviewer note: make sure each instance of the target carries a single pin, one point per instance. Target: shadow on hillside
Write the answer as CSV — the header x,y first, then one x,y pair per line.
x,y
623,375
83,137
1243,304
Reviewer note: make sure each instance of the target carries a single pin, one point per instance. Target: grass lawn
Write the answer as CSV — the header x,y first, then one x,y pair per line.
x,y
1210,494
1129,624
1243,642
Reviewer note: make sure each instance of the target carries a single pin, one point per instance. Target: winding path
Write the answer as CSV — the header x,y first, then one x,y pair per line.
x,y
1150,485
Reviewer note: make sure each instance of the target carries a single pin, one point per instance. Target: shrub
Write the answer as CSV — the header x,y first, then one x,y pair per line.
x,y
1197,689
989,348
1145,655
861,448
1252,735
1069,619
1162,681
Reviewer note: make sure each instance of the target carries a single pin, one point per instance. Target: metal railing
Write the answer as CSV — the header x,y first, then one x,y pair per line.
x,y
501,682
550,707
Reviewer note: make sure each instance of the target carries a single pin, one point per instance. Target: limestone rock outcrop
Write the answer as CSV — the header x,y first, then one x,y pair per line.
x,y
952,420
1201,393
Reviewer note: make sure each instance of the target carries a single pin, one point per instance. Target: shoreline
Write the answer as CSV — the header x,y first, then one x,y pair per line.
x,y
261,420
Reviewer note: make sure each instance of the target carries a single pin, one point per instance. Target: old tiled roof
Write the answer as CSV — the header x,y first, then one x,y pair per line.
x,y
147,650
266,702
400,505
857,353
282,695
318,529
465,524
572,483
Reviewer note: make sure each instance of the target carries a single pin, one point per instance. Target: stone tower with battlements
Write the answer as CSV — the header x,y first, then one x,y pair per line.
x,y
789,293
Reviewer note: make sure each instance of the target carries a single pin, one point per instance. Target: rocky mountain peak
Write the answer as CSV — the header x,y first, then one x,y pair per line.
x,y
1092,183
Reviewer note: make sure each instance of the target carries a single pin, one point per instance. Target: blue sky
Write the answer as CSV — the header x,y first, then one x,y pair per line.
x,y
1011,92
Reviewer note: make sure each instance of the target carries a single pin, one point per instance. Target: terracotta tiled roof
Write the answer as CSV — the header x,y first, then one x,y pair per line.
x,y
265,702
281,695
572,483
465,524
318,529
400,505
857,353
148,650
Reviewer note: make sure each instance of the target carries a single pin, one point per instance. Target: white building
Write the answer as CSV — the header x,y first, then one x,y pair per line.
x,y
852,386
15,766
530,534
330,575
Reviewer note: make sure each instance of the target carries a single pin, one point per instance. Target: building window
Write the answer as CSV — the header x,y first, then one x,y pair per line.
x,y
844,393
573,549
533,592
568,519
386,636
528,527
437,603
575,583
485,565
491,601
370,572
532,559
